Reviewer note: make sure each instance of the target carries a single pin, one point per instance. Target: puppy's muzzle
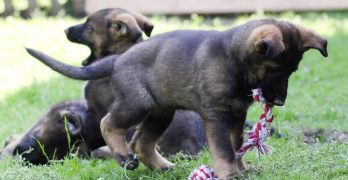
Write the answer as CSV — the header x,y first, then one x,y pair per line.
x,y
75,34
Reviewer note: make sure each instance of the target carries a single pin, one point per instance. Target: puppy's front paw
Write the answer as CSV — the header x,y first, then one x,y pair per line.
x,y
130,162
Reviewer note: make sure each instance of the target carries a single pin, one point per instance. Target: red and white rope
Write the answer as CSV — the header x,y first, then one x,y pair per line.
x,y
261,130
201,173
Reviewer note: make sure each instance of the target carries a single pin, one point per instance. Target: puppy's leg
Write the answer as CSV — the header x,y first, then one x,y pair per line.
x,y
113,127
145,139
237,135
217,126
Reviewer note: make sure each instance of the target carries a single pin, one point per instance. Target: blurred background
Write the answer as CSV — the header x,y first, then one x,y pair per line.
x,y
78,8
314,120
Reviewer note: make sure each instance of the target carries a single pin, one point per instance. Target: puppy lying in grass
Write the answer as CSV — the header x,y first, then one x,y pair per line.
x,y
209,72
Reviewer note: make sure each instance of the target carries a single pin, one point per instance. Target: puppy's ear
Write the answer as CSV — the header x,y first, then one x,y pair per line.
x,y
73,123
144,24
267,40
310,40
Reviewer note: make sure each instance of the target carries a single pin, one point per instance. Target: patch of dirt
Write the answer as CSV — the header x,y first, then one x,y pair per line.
x,y
324,136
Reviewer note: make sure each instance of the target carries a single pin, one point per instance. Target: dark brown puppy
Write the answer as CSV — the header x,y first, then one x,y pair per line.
x,y
68,127
209,72
48,138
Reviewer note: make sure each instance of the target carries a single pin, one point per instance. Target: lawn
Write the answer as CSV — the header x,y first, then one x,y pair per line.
x,y
317,99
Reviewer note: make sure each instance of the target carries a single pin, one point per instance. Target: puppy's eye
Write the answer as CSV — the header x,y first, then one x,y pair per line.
x,y
117,26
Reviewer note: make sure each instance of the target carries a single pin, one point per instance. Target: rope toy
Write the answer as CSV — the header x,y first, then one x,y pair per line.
x,y
201,173
256,138
261,130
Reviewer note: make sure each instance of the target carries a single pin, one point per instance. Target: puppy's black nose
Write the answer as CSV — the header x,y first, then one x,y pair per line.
x,y
278,102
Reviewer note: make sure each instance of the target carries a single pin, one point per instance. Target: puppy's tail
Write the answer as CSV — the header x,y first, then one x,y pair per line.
x,y
99,69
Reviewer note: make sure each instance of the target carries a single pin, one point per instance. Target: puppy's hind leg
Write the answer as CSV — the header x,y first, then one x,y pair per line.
x,y
145,139
113,127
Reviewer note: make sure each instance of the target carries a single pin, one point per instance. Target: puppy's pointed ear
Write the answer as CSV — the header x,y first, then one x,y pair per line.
x,y
267,40
310,40
145,25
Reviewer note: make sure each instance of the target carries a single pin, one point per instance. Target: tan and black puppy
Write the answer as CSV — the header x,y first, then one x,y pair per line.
x,y
107,32
210,72
68,127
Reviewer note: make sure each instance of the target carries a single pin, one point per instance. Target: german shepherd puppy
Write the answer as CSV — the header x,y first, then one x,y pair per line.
x,y
60,131
209,72
107,32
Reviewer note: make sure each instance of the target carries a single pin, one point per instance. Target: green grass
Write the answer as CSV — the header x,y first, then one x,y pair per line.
x,y
318,98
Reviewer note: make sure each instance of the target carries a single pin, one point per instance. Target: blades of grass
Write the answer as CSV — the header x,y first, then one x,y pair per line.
x,y
67,132
42,148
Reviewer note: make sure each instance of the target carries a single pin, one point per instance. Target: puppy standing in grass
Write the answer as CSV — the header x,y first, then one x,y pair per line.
x,y
209,72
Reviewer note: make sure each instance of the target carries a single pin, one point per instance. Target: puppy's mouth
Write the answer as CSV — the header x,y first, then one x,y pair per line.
x,y
90,59
78,41
273,101
278,102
